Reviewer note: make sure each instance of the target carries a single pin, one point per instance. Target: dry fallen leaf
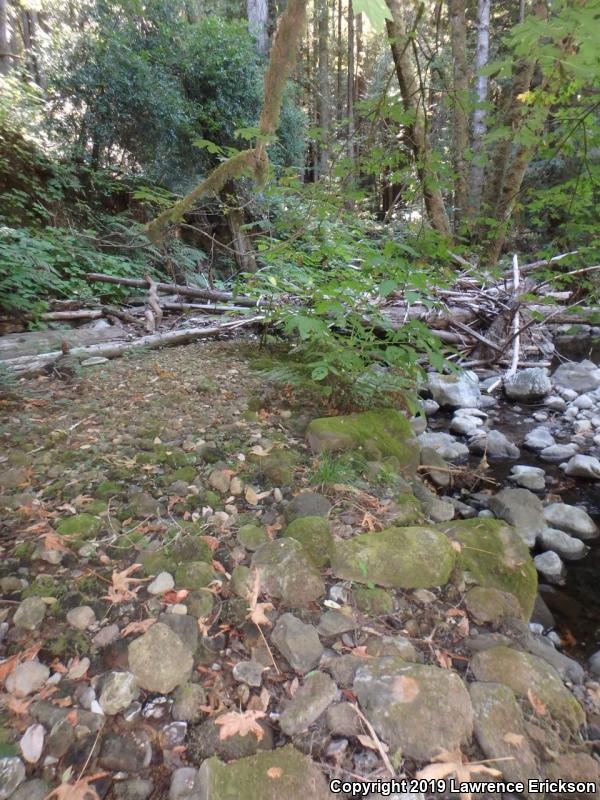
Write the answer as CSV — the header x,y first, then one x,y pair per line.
x,y
120,591
513,738
240,723
141,626
371,744
257,610
80,790
251,496
274,773
447,764
536,703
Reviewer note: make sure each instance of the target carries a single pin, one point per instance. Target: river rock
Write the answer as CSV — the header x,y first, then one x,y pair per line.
x,y
27,678
438,509
133,789
527,384
555,403
444,444
30,613
532,478
184,784
188,700
571,519
551,567
204,741
308,703
455,390
416,709
119,690
307,504
251,537
334,623
122,753
287,573
594,664
249,672
380,434
81,618
582,377
163,582
522,509
494,444
159,660
401,558
297,642
31,790
523,673
272,775
567,547
465,424
493,554
431,459
576,767
501,732
315,536
580,466
342,720
539,439
558,452
12,775
542,647
486,604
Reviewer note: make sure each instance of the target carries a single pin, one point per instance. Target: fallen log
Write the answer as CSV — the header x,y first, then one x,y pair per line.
x,y
188,291
33,365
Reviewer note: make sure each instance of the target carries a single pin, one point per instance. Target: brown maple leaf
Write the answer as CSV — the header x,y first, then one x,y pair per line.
x,y
121,589
80,790
257,610
447,764
240,723
140,626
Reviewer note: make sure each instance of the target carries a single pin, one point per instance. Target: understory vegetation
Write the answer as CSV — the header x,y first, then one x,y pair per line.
x,y
407,136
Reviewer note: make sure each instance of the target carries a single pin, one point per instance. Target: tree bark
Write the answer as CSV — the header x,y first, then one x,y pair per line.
x,y
480,112
324,98
417,131
350,82
460,143
258,17
339,65
5,51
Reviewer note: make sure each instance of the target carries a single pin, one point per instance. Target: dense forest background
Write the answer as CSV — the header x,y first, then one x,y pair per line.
x,y
411,135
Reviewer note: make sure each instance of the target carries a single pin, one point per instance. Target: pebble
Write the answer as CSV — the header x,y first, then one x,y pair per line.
x,y
532,478
12,775
249,672
30,613
163,582
581,466
183,784
81,618
27,678
106,636
120,689
550,566
558,452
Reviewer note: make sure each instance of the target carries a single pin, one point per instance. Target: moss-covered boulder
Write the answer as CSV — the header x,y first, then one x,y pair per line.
x,y
524,673
486,604
314,535
194,575
381,433
407,509
399,558
278,466
156,561
373,600
492,554
251,537
287,573
80,527
271,775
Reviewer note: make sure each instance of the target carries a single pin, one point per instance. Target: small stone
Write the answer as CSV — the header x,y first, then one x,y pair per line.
x,y
555,403
122,754
486,604
494,444
159,660
188,702
27,678
455,390
251,537
539,439
342,720
184,784
30,613
580,466
81,618
133,789
464,424
334,623
249,672
287,573
307,504
445,445
31,790
106,636
551,567
567,547
558,452
297,642
532,478
119,690
12,775
571,519
236,487
308,703
392,646
220,481
163,582
527,384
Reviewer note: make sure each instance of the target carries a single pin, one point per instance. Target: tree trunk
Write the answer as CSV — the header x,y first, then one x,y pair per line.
x,y
240,241
339,66
324,98
5,52
480,112
258,16
460,144
193,11
417,131
350,83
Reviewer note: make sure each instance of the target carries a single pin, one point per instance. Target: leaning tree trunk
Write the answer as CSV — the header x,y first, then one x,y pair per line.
x,y
460,92
480,112
258,18
417,130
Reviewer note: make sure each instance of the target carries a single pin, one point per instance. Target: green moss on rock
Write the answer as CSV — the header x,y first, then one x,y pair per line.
x,y
278,466
107,489
492,554
194,575
409,510
373,600
157,561
251,537
81,527
314,535
384,433
401,558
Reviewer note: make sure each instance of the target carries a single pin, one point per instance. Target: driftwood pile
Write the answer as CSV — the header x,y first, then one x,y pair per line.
x,y
505,323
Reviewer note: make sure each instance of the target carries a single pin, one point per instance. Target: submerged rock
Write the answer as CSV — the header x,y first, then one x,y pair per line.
x,y
402,558
416,709
381,433
539,439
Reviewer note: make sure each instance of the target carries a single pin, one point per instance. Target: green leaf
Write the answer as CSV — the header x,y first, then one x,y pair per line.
x,y
376,10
